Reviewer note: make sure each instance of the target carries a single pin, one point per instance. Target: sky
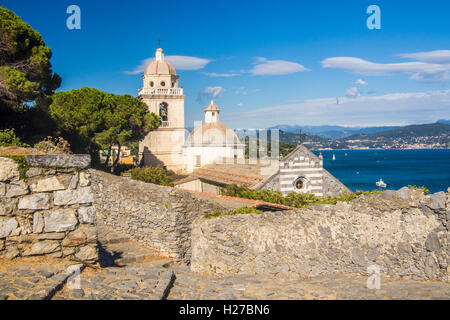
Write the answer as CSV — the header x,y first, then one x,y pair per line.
x,y
264,63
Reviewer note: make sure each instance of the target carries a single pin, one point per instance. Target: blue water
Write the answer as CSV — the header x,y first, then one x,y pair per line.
x,y
360,169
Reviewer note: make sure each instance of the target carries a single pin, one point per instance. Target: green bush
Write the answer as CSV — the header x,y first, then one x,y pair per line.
x,y
243,210
55,145
8,138
425,189
293,199
154,175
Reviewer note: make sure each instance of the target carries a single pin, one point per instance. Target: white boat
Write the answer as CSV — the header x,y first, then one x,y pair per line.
x,y
334,157
381,184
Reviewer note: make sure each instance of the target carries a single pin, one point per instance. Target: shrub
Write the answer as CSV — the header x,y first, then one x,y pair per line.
x,y
54,145
154,175
293,199
8,138
425,189
243,210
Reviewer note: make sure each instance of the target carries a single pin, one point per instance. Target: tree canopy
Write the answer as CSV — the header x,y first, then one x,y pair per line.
x,y
25,69
92,119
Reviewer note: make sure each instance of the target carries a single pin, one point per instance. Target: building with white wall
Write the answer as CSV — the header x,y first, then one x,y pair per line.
x,y
211,142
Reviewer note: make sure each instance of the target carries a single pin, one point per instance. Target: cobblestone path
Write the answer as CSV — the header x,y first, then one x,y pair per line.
x,y
131,271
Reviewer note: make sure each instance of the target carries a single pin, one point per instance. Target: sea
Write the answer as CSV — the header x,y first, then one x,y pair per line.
x,y
361,169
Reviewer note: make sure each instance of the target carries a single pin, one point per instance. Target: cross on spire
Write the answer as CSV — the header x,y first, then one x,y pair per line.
x,y
159,43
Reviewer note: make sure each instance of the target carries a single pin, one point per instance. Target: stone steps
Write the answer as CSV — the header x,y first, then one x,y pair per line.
x,y
116,249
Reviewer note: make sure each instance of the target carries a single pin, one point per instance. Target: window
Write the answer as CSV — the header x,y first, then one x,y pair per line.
x,y
152,83
163,111
300,183
173,84
197,160
163,84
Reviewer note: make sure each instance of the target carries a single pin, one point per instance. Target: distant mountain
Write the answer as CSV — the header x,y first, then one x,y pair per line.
x,y
417,130
444,121
332,132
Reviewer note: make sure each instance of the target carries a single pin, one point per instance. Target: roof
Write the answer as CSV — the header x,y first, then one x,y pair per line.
x,y
235,203
160,65
251,175
213,133
212,107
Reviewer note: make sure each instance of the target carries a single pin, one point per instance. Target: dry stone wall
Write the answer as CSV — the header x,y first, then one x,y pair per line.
x,y
404,233
158,217
46,210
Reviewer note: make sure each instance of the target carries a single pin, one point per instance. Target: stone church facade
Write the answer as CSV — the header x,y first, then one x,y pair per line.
x,y
303,172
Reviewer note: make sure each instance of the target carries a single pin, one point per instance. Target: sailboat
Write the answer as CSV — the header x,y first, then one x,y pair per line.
x,y
381,184
334,157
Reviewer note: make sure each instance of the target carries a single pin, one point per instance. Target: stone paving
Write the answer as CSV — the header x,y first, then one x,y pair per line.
x,y
129,271
340,286
32,280
149,281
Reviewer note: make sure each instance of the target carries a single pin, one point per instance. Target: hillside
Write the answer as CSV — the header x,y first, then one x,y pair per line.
x,y
436,135
419,130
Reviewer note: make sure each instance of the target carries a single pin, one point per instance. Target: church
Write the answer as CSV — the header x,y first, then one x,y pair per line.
x,y
167,147
212,155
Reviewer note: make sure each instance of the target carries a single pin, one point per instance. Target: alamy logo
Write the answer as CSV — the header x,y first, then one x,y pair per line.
x,y
74,20
374,21
374,281
74,281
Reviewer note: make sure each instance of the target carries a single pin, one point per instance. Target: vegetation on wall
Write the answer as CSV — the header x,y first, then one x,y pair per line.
x,y
425,189
154,175
53,145
293,199
8,138
243,210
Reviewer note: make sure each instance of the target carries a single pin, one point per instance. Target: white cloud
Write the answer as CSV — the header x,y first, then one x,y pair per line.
x,y
242,91
360,82
240,104
352,92
275,67
437,56
179,62
224,75
407,108
419,71
187,63
209,93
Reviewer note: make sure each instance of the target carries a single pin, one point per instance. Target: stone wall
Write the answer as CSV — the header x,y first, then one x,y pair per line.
x,y
158,217
404,233
46,208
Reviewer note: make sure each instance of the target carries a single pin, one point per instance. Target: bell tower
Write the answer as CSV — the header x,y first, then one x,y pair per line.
x,y
161,93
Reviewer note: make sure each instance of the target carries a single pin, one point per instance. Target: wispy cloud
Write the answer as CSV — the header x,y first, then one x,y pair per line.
x,y
209,93
240,104
360,82
223,75
352,92
419,71
413,107
437,56
264,66
179,62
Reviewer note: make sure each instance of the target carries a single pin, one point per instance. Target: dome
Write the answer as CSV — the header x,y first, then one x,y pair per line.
x,y
213,133
159,65
212,107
